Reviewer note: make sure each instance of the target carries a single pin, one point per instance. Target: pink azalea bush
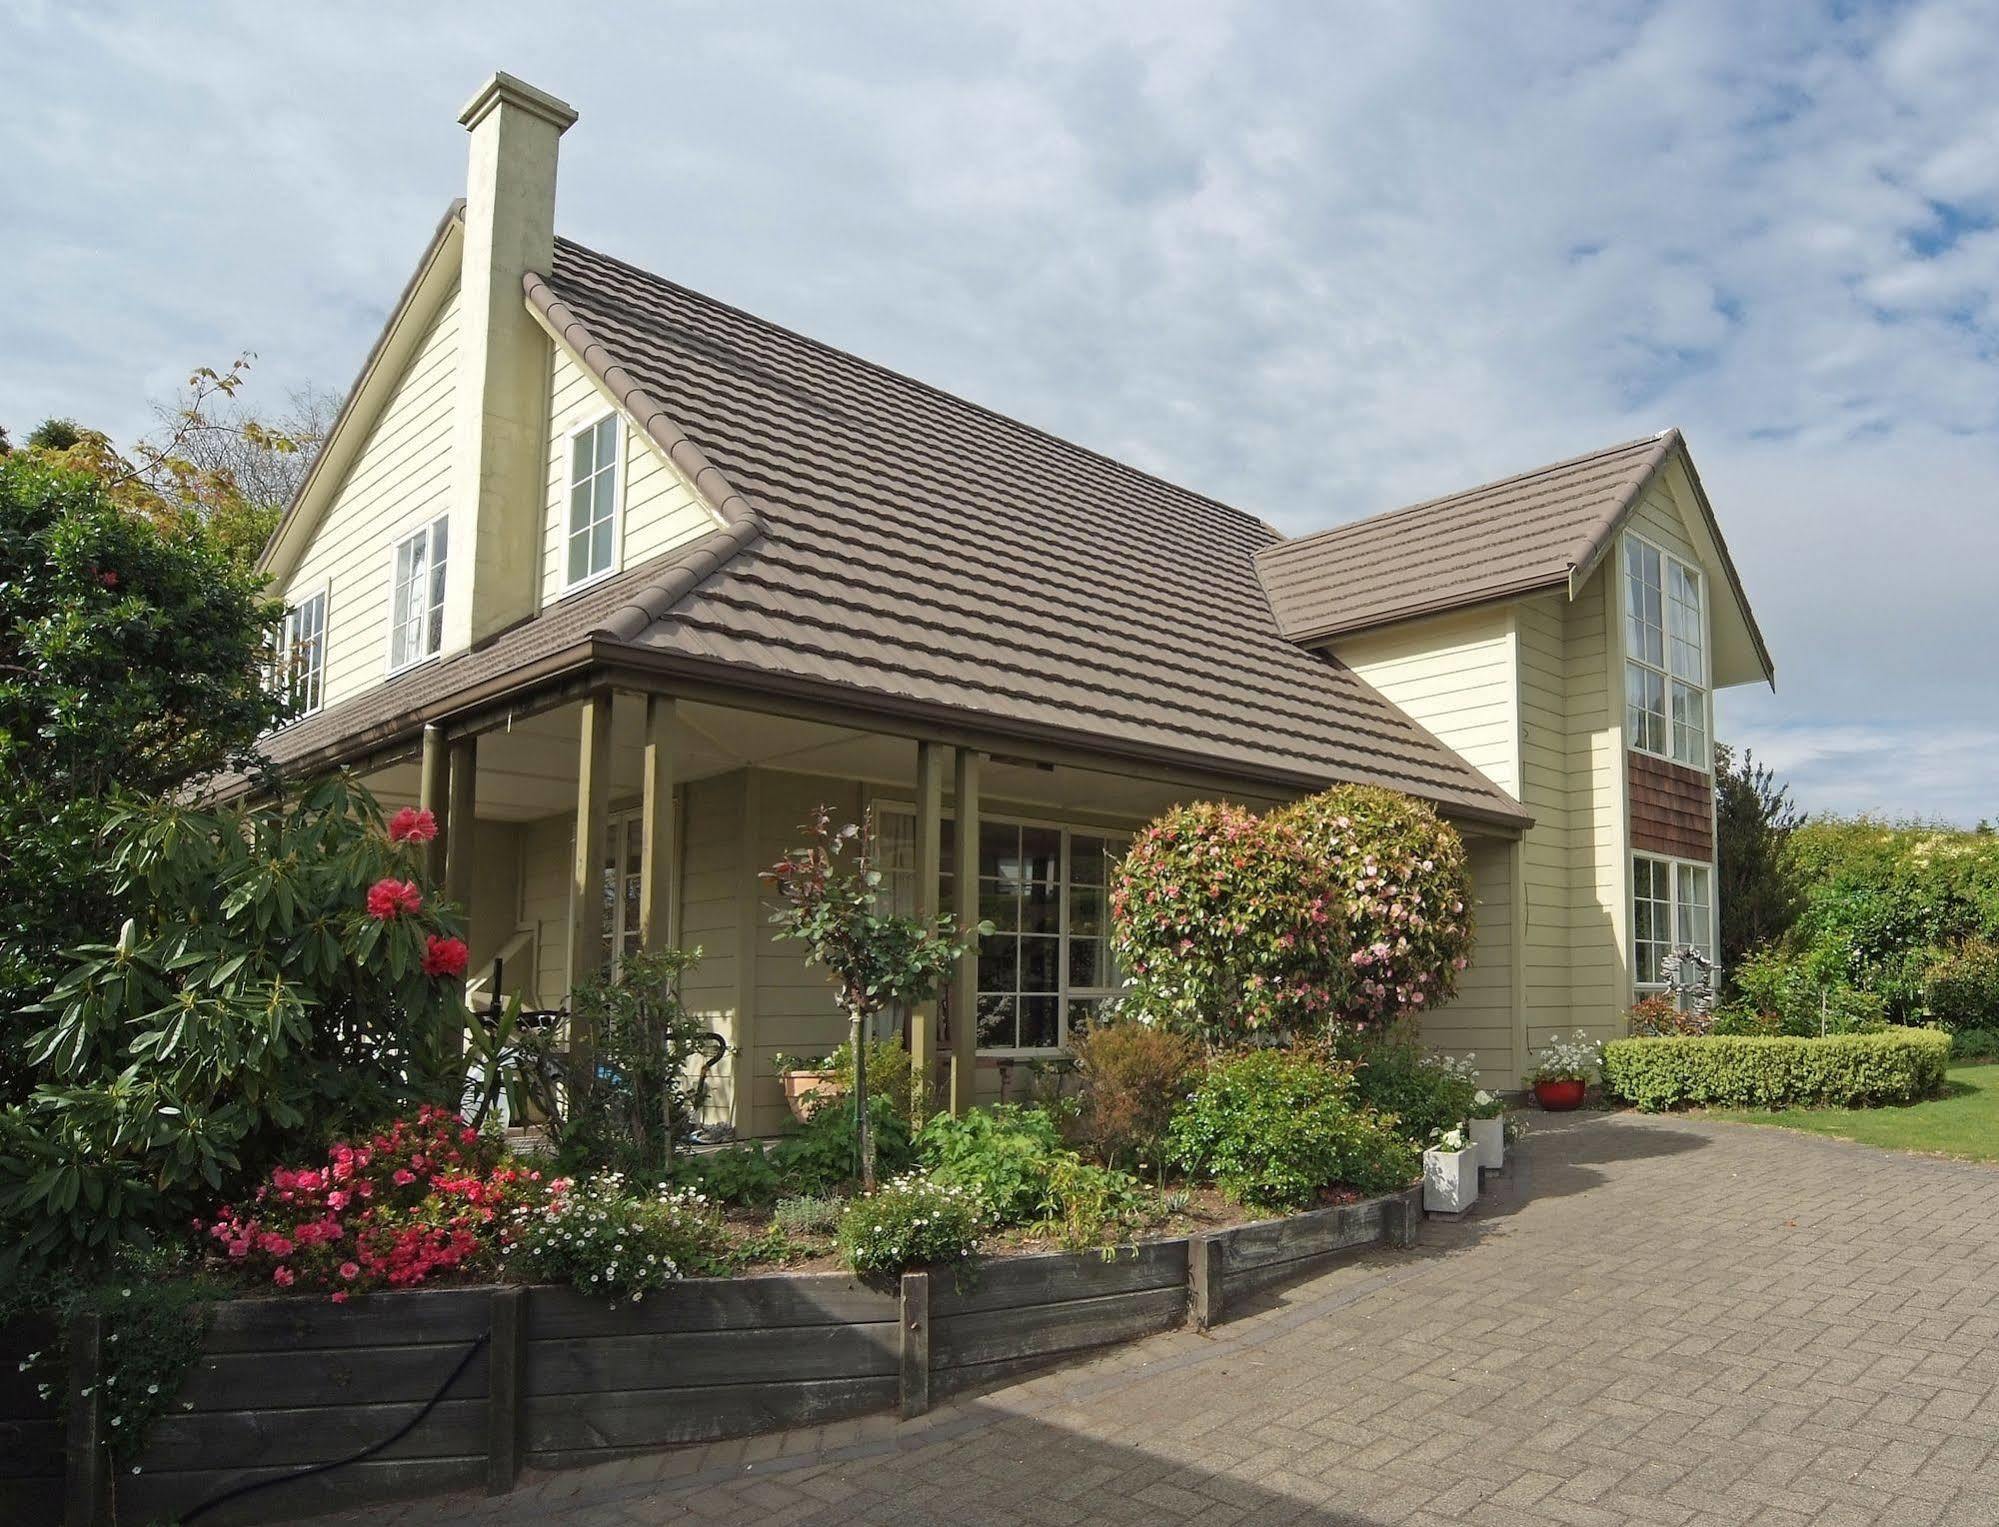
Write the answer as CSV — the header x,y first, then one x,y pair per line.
x,y
1404,888
1227,927
419,1197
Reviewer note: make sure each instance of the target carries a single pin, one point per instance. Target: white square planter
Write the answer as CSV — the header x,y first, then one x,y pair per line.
x,y
1450,1180
1488,1138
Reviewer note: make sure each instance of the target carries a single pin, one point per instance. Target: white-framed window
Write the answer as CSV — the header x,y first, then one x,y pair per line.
x,y
1046,967
1672,904
594,475
1665,656
299,662
416,599
623,856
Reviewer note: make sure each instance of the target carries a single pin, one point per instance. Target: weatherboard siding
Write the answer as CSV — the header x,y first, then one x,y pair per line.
x,y
398,481
1479,1020
1454,676
657,509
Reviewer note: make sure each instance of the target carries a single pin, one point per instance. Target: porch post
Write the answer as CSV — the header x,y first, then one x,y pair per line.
x,y
433,792
929,902
586,878
660,852
461,800
965,914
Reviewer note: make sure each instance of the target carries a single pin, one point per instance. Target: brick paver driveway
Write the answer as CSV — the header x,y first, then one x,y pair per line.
x,y
1650,1321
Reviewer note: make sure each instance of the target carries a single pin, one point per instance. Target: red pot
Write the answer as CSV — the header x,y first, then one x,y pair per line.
x,y
1559,1097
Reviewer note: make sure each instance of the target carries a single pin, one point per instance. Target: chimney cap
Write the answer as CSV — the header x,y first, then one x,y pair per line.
x,y
504,89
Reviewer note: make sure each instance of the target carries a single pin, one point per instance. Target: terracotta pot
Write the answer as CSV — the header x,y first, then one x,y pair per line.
x,y
805,1091
1560,1097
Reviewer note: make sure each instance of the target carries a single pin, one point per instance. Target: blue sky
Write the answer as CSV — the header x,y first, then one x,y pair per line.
x,y
1316,260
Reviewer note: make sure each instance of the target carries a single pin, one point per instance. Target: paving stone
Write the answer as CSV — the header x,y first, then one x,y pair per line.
x,y
1661,1321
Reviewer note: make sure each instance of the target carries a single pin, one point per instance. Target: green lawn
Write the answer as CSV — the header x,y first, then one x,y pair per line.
x,y
1964,1122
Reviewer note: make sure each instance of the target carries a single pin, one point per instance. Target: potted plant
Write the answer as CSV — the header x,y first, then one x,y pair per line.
x,y
1562,1072
1450,1173
1488,1129
808,1084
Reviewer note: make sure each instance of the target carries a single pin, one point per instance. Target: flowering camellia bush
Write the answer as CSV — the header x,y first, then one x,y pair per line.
x,y
1405,889
910,1221
422,1196
604,1239
284,976
1228,927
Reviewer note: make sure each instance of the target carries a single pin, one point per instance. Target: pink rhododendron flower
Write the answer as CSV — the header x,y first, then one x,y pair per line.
x,y
413,824
393,898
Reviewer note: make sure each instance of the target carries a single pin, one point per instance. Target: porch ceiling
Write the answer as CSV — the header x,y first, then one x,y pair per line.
x,y
527,768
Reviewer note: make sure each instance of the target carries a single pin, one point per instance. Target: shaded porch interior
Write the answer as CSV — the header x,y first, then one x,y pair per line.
x,y
732,786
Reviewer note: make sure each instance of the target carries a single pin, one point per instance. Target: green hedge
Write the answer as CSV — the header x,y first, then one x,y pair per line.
x,y
1843,1070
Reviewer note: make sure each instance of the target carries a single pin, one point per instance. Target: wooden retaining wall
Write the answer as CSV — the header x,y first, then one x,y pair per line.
x,y
546,1378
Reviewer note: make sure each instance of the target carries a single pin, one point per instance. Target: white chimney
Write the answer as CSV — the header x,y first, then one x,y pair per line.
x,y
503,360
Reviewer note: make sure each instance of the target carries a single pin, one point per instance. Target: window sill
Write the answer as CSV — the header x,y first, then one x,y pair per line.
x,y
583,585
415,663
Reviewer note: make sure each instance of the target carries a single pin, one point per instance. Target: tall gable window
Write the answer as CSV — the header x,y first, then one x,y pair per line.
x,y
300,668
416,611
1665,670
593,499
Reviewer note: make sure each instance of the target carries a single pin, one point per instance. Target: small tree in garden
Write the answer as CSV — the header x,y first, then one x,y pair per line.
x,y
1406,892
831,892
1227,927
284,974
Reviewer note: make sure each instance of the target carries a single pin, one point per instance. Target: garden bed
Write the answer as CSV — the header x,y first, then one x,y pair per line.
x,y
489,1379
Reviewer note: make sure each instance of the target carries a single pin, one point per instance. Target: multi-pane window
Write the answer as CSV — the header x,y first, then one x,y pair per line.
x,y
416,608
1046,967
624,848
593,499
1672,907
301,654
1665,671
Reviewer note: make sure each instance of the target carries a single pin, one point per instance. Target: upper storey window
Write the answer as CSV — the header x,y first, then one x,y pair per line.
x,y
300,659
593,500
416,613
1665,647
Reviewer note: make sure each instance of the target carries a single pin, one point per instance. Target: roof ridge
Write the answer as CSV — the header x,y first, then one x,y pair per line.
x,y
1382,516
917,384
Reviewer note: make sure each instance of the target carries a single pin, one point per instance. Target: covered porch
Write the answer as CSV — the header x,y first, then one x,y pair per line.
x,y
621,817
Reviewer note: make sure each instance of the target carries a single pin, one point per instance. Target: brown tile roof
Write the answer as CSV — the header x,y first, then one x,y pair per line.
x,y
897,549
1509,537
916,548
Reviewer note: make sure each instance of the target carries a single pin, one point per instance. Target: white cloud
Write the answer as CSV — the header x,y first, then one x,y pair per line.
x,y
1314,260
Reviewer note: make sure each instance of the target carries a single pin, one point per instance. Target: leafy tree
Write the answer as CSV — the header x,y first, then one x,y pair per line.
x,y
130,661
1760,891
283,974
210,463
831,894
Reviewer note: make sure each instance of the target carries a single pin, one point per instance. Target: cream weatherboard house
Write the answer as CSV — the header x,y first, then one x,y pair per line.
x,y
623,582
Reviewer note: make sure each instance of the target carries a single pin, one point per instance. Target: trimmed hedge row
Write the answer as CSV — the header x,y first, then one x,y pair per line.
x,y
1842,1070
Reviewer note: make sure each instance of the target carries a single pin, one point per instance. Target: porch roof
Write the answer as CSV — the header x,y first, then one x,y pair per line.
x,y
893,548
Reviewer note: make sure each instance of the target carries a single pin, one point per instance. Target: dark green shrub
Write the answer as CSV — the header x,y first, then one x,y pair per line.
x,y
736,1174
1273,1127
1130,1079
1791,994
1004,1153
824,1154
1975,1044
1425,1094
1961,988
1843,1070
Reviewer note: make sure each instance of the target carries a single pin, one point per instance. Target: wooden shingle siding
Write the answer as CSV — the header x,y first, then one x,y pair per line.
x,y
1672,809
